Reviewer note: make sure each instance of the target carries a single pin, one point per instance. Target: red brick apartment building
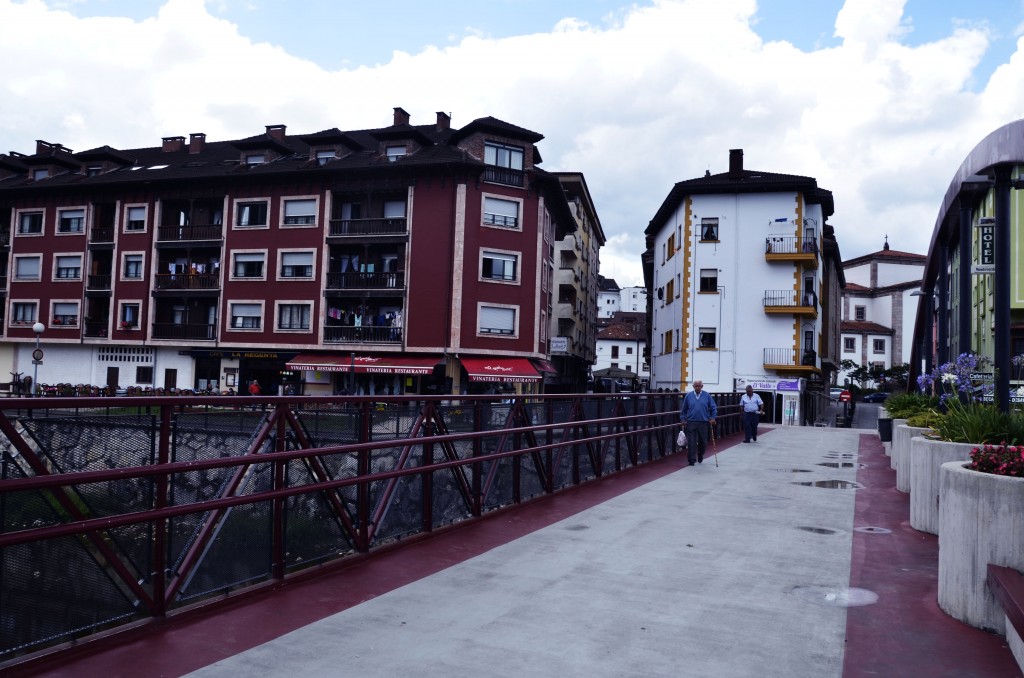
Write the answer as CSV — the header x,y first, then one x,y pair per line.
x,y
360,261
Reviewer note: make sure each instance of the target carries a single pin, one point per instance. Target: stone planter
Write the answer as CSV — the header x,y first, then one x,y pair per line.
x,y
924,462
902,434
981,521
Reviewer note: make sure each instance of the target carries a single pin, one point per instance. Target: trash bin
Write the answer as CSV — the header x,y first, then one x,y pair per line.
x,y
885,430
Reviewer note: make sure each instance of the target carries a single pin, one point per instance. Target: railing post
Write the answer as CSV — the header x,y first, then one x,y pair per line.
x,y
277,546
160,526
363,488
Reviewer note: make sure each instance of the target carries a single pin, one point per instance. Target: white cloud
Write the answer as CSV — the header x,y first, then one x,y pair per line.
x,y
656,96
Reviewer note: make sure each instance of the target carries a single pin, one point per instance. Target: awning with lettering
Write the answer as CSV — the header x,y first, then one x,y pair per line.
x,y
507,370
544,365
364,364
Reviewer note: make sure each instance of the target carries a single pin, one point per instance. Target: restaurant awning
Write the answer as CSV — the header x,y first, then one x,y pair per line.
x,y
544,365
364,364
507,370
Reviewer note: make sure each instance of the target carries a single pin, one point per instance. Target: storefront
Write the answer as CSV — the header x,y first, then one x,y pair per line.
x,y
500,375
362,374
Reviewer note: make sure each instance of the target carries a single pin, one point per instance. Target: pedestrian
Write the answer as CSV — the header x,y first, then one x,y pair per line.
x,y
254,388
753,408
697,413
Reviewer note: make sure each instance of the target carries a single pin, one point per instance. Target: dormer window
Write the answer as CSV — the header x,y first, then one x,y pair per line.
x,y
505,164
255,159
93,170
40,174
393,153
324,157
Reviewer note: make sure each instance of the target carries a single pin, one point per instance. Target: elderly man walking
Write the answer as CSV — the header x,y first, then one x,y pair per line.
x,y
753,408
697,413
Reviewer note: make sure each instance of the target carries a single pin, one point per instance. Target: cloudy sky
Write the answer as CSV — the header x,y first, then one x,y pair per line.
x,y
879,100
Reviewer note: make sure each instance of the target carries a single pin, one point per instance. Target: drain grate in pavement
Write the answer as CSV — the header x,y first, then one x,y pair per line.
x,y
872,530
792,470
816,530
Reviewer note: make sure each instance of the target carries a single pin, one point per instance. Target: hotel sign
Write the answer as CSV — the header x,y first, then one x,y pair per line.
x,y
986,246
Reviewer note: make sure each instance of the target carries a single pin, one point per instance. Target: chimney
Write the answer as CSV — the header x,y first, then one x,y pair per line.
x,y
401,117
444,121
173,144
276,131
736,163
196,143
45,147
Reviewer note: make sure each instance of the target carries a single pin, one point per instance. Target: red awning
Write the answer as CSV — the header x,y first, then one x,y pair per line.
x,y
507,370
364,364
544,365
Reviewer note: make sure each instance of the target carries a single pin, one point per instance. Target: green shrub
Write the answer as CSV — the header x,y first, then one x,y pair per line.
x,y
973,422
906,405
927,419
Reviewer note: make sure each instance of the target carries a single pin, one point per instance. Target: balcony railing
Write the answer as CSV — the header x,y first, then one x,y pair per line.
x,y
96,328
350,334
384,226
187,281
790,298
366,281
790,245
181,233
504,175
5,237
188,331
101,234
788,357
98,282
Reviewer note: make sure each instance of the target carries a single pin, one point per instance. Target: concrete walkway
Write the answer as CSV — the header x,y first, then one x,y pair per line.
x,y
793,557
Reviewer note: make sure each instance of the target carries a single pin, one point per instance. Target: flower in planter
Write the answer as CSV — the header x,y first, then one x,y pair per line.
x,y
1000,460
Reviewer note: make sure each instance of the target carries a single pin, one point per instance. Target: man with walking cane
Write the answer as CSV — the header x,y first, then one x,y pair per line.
x,y
697,413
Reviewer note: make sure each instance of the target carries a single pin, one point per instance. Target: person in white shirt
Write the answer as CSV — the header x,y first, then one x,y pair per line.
x,y
753,408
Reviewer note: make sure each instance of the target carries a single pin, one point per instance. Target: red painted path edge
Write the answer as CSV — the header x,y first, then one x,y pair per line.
x,y
906,633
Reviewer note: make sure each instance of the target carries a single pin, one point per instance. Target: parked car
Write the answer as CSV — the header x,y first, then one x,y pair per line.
x,y
878,397
834,393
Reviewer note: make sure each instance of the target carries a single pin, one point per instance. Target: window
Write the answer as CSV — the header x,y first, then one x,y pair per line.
x,y
394,209
707,337
136,220
30,223
248,316
69,267
39,174
499,266
300,212
666,342
296,264
129,316
849,345
65,314
248,264
709,280
255,159
497,320
293,317
251,214
670,291
808,340
878,346
93,170
393,153
671,246
144,374
709,230
503,156
615,352
132,268
860,313
23,312
324,157
71,221
498,212
27,268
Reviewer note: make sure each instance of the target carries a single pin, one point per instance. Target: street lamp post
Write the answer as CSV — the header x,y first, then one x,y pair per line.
x,y
37,358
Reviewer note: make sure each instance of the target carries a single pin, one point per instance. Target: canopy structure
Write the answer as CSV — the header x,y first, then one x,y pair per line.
x,y
364,364
505,370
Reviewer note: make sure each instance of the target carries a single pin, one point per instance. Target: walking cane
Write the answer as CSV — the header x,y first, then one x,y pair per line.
x,y
714,446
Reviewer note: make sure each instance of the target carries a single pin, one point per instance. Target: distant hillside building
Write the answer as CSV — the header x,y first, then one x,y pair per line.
x,y
621,344
609,297
879,308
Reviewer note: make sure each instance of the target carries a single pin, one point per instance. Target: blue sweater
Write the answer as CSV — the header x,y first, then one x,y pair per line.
x,y
698,409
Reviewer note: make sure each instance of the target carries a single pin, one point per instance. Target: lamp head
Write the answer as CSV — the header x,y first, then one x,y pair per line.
x,y
38,328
